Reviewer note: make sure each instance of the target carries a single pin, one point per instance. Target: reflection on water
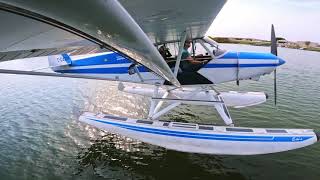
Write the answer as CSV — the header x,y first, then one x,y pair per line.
x,y
113,156
41,137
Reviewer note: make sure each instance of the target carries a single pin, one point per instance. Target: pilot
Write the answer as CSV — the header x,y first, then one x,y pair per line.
x,y
188,63
165,53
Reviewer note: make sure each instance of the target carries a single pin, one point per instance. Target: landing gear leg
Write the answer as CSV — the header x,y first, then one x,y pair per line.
x,y
221,109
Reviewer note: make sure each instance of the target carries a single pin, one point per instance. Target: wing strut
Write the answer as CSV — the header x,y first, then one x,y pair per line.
x,y
182,40
176,97
222,109
75,76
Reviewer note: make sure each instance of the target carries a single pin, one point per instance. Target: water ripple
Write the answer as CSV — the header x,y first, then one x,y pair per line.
x,y
41,136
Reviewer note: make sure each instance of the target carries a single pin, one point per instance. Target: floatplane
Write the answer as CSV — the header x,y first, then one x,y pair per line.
x,y
133,32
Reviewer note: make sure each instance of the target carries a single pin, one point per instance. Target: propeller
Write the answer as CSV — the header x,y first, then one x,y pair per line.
x,y
274,51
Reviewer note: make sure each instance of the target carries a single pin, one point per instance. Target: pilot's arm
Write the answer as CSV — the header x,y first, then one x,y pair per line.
x,y
195,61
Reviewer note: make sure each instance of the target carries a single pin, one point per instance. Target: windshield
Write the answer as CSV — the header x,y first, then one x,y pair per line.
x,y
213,46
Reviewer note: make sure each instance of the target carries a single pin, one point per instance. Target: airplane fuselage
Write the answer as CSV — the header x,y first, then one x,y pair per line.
x,y
229,66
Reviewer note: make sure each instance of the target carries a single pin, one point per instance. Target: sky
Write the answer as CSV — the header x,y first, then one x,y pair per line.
x,y
295,20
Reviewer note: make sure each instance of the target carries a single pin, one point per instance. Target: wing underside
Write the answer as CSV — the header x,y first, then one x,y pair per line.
x,y
92,26
165,20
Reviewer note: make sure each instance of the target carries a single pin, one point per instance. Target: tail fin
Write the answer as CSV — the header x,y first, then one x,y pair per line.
x,y
56,61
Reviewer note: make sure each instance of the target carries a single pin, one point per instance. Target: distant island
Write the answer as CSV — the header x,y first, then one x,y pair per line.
x,y
282,42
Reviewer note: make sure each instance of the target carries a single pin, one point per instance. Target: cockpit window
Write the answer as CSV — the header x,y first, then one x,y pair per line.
x,y
199,50
213,47
204,48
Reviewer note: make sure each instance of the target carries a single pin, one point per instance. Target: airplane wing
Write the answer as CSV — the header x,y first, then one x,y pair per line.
x,y
165,20
105,24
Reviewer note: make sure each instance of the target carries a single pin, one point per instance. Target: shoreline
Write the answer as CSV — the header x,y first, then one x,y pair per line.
x,y
301,45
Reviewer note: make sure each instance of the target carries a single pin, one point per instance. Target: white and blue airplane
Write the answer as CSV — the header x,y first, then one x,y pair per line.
x,y
223,66
131,30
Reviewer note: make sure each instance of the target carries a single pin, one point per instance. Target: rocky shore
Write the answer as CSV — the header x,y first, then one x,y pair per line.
x,y
303,45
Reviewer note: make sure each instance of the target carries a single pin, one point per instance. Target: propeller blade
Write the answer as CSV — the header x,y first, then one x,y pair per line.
x,y
274,51
275,86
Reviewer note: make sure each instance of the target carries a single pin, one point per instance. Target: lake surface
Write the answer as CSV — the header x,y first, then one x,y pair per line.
x,y
41,137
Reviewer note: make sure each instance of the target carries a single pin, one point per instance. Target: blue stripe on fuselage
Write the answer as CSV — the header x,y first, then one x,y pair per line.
x,y
207,136
112,58
236,65
111,70
124,70
66,57
115,58
248,55
253,55
230,55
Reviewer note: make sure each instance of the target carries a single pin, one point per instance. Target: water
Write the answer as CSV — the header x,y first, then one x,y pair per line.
x,y
41,137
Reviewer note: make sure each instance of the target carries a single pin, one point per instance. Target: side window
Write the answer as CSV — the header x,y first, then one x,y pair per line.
x,y
172,49
196,49
166,51
203,49
212,47
200,50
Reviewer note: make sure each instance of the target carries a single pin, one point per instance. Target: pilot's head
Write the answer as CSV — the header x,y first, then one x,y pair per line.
x,y
187,43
